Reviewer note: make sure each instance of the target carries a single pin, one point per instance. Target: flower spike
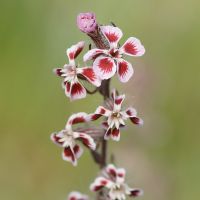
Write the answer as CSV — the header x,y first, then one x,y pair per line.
x,y
73,88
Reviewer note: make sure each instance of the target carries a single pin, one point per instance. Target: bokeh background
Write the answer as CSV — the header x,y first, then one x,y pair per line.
x,y
162,157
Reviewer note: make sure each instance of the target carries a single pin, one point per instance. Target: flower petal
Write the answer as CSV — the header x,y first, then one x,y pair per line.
x,y
69,156
94,53
74,51
77,91
125,70
89,74
135,192
99,183
121,172
103,111
115,134
77,196
87,140
133,47
111,171
58,71
118,102
78,151
104,67
113,34
67,87
130,112
55,137
137,120
76,118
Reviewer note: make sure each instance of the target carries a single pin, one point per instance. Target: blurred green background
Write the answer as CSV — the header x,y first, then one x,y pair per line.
x,y
162,157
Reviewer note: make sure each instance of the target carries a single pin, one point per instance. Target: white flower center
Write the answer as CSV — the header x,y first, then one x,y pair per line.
x,y
67,139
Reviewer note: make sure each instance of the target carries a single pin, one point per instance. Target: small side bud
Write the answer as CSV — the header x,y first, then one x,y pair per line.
x,y
86,22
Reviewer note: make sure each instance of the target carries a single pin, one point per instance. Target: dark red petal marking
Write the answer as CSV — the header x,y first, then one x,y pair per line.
x,y
115,132
96,188
135,193
112,172
78,51
76,89
76,149
95,117
85,141
68,153
89,74
130,48
120,175
58,71
112,37
136,120
122,68
106,65
128,112
104,182
71,55
56,139
102,111
67,86
118,100
108,133
77,120
73,198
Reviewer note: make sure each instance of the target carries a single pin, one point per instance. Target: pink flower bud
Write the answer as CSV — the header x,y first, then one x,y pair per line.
x,y
86,22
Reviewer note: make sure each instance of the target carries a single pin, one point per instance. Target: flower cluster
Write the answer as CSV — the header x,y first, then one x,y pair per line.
x,y
107,58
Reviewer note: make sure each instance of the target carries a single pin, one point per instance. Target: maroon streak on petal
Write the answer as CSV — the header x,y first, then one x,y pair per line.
x,y
89,74
102,111
77,91
93,54
58,71
77,118
130,48
96,188
133,47
95,117
87,141
119,100
77,151
67,88
136,120
112,172
75,50
115,134
131,112
125,70
68,155
120,175
135,192
113,34
104,67
56,139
